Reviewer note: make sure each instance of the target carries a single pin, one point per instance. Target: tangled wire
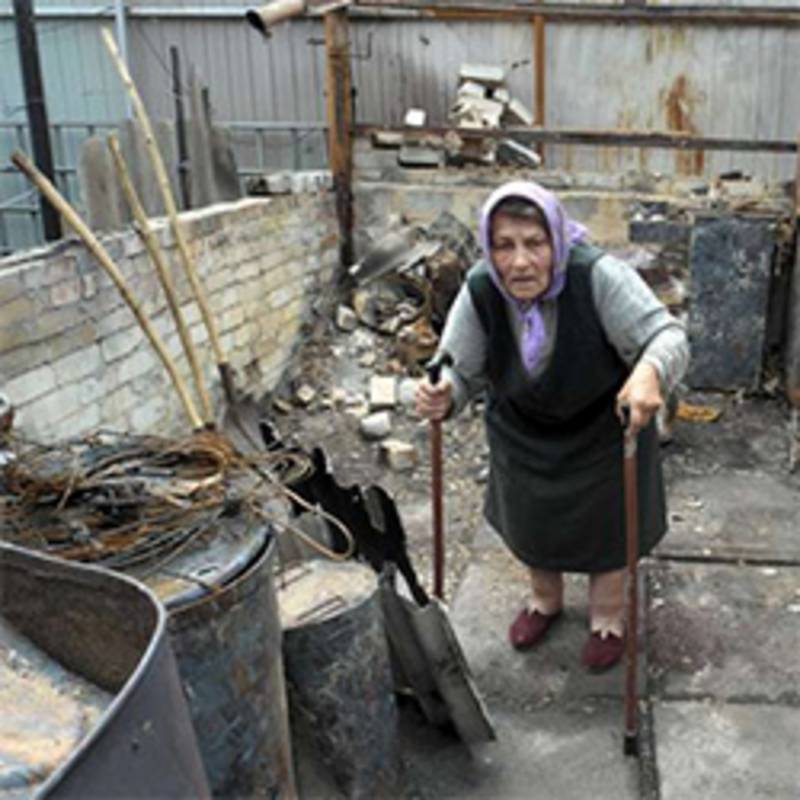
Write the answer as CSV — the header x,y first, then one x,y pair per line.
x,y
123,500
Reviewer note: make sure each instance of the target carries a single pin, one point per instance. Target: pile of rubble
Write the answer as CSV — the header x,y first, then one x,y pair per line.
x,y
483,102
399,296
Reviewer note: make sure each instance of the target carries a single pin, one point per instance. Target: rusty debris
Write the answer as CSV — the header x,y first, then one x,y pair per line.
x,y
127,501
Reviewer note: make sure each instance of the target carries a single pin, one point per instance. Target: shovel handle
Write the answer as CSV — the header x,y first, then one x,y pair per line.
x,y
434,371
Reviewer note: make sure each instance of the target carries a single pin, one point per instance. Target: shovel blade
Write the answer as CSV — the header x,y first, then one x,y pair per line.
x,y
433,663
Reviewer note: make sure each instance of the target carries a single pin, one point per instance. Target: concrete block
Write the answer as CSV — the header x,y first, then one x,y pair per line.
x,y
382,391
31,385
79,364
730,260
399,456
66,293
17,312
517,113
472,89
487,74
146,417
415,118
346,319
11,286
376,426
118,345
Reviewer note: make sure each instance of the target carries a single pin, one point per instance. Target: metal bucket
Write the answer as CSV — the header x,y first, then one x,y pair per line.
x,y
228,647
110,631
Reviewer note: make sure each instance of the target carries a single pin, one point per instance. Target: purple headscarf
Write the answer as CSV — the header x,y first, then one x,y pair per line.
x,y
564,232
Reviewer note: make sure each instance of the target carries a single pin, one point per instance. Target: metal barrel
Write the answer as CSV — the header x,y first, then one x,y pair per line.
x,y
111,631
228,647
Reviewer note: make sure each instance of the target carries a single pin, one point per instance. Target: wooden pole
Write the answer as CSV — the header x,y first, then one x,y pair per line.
x,y
72,219
36,108
539,71
631,735
165,277
338,83
172,213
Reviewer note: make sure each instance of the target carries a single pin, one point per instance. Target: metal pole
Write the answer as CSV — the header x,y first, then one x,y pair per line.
x,y
180,128
121,32
36,108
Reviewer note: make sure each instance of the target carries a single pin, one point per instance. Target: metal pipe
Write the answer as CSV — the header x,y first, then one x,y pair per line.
x,y
121,30
415,9
36,108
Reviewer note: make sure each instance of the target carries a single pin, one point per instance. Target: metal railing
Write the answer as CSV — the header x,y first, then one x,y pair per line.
x,y
20,223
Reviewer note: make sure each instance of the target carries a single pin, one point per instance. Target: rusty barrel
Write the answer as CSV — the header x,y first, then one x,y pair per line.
x,y
226,634
339,674
82,643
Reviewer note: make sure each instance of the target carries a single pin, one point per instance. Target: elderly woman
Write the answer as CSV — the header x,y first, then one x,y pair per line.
x,y
561,336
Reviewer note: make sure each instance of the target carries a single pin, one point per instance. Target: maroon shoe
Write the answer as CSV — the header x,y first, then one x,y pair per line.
x,y
600,654
529,628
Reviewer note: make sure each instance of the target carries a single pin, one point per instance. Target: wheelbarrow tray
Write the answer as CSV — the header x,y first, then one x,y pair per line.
x,y
108,631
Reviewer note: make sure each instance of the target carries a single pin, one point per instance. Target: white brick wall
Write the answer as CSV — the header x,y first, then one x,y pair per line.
x,y
72,357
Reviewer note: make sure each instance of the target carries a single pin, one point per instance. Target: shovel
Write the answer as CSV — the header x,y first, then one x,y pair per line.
x,y
423,642
631,741
241,416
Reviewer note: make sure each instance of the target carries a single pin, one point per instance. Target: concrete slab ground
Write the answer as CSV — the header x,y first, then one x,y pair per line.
x,y
728,751
720,680
721,697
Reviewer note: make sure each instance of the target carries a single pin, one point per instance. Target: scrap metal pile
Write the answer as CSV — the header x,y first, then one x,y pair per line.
x,y
128,501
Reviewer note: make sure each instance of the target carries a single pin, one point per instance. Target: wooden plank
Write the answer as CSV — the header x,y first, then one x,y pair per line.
x,y
340,123
575,12
539,54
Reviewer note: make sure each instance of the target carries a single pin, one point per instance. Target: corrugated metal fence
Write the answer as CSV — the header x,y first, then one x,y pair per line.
x,y
716,81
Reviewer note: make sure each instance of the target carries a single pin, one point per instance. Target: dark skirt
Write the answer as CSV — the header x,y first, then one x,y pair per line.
x,y
574,520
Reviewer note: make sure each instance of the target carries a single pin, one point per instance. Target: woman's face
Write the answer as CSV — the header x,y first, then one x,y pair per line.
x,y
522,255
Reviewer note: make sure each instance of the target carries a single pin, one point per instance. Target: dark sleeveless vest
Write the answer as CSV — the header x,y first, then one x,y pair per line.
x,y
555,490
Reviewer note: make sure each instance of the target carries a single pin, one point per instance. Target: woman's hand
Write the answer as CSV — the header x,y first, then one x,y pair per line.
x,y
433,402
641,394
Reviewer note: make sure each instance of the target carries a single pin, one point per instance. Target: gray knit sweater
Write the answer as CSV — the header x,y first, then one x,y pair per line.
x,y
636,323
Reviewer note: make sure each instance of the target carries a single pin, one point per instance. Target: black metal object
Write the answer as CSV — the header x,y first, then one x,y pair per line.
x,y
370,515
180,128
228,648
730,264
36,108
111,631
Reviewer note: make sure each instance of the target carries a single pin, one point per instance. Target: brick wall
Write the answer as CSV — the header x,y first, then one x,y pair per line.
x,y
72,357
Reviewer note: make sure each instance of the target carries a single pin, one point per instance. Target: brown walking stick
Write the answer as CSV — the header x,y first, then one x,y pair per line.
x,y
434,370
631,744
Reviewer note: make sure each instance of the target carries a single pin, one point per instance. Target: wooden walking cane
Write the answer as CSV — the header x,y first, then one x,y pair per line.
x,y
631,743
434,370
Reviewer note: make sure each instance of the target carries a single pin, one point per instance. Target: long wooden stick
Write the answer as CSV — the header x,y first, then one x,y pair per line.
x,y
631,741
150,242
172,212
72,219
